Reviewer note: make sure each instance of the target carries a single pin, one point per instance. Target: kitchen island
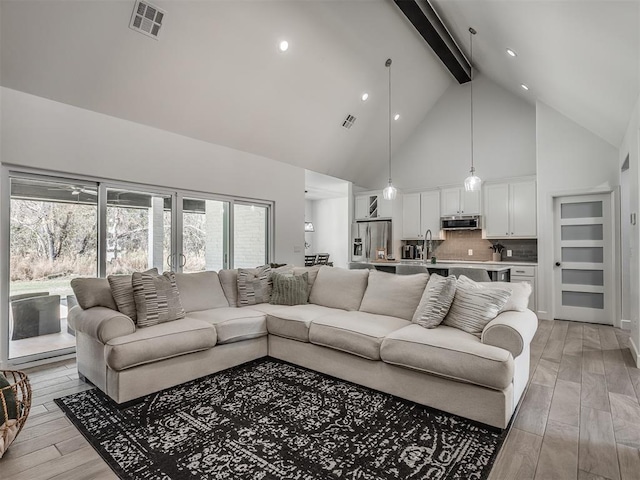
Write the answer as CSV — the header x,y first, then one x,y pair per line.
x,y
497,271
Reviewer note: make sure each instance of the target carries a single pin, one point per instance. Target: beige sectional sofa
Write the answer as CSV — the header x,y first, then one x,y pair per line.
x,y
354,327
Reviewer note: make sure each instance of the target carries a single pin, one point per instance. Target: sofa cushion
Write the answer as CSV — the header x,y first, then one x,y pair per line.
x,y
289,289
93,292
234,324
436,301
122,292
294,321
200,291
449,352
474,306
359,333
159,342
339,288
157,298
229,281
395,295
254,285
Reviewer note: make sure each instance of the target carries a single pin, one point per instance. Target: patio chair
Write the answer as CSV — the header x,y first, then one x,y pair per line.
x,y
310,260
35,316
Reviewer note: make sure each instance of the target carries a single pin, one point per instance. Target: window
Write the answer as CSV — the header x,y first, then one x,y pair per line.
x,y
250,235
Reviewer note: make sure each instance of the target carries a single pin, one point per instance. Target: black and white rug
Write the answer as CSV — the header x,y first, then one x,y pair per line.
x,y
271,420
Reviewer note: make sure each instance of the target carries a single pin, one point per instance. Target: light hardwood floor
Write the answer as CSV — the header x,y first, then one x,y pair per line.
x,y
580,418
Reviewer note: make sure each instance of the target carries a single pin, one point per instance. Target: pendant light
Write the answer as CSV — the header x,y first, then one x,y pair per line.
x,y
390,192
472,183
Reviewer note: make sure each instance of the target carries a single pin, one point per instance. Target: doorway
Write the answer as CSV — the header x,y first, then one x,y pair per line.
x,y
583,247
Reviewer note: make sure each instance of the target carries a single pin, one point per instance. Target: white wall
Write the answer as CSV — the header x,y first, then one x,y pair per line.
x,y
41,133
631,146
569,159
439,150
331,222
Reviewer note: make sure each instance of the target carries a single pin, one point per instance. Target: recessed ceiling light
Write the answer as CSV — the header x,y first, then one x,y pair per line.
x,y
397,116
365,96
511,52
284,46
524,87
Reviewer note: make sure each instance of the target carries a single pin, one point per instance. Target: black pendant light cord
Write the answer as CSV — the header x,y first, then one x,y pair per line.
x,y
472,32
388,65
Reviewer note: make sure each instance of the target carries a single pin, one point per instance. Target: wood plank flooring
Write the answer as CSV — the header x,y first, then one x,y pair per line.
x,y
580,418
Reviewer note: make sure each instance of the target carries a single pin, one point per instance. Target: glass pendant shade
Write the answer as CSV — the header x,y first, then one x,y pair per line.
x,y
390,192
472,183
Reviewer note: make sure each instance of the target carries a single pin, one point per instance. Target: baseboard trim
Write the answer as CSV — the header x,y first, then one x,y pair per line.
x,y
634,352
543,315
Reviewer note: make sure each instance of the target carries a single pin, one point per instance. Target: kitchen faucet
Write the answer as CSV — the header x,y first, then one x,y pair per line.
x,y
426,245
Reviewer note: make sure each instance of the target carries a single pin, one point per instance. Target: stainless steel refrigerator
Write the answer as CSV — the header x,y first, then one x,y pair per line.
x,y
369,237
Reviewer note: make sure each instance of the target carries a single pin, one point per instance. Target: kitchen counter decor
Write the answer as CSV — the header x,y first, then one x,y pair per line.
x,y
497,251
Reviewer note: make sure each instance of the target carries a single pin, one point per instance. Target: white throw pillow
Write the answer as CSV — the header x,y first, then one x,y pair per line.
x,y
474,306
436,301
520,293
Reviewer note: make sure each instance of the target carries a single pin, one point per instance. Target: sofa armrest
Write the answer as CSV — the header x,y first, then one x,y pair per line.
x,y
511,330
101,323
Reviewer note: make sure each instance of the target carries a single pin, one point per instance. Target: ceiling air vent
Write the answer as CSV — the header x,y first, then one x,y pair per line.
x,y
349,121
147,19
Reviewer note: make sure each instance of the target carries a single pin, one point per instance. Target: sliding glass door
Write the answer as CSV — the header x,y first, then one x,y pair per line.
x,y
57,229
205,234
138,233
52,238
250,235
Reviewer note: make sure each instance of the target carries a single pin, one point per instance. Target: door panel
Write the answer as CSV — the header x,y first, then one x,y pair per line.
x,y
583,277
205,234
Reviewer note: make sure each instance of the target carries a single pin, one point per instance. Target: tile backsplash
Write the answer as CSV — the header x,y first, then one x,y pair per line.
x,y
457,244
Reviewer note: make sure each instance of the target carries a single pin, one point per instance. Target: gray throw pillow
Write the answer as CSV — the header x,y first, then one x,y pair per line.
x,y
157,298
93,292
474,306
254,285
436,301
122,292
289,289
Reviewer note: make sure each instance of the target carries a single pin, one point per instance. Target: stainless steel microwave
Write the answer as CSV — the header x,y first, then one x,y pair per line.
x,y
460,223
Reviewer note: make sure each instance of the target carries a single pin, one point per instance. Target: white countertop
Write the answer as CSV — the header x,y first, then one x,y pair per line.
x,y
489,265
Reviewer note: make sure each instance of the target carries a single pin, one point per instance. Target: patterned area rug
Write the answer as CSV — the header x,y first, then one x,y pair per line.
x,y
271,420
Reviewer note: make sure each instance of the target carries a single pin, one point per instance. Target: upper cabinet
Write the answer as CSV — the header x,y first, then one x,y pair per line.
x,y
372,206
420,212
510,210
457,201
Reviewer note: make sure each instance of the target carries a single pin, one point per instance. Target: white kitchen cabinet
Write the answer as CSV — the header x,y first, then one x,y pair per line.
x,y
528,275
411,228
372,206
421,212
362,207
510,210
457,201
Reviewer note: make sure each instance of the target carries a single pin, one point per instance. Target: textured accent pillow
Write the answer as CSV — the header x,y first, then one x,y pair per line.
x,y
289,289
10,401
436,301
93,292
157,298
474,306
254,285
520,293
122,293
312,271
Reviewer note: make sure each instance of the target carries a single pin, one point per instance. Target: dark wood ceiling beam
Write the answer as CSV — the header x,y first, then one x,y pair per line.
x,y
428,24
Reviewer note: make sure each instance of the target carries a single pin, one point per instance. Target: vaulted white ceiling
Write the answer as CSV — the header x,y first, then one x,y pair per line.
x,y
215,73
579,57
